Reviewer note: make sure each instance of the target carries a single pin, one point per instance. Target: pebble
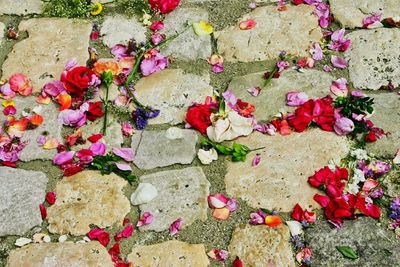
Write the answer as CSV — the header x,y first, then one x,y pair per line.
x,y
20,242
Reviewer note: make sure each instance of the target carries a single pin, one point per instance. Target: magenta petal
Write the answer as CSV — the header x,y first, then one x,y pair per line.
x,y
126,153
145,219
54,88
295,99
256,160
176,226
338,62
232,205
98,149
63,157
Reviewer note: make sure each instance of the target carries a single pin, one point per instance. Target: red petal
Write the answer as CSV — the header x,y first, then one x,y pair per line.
x,y
51,198
297,213
43,211
322,200
95,137
127,232
237,262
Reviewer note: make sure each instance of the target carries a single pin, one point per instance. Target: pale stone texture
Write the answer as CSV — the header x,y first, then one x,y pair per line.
x,y
119,30
170,254
2,31
156,149
374,58
350,14
386,116
50,127
260,245
181,194
292,31
51,43
67,254
375,244
280,180
172,92
21,192
188,45
87,198
272,99
20,7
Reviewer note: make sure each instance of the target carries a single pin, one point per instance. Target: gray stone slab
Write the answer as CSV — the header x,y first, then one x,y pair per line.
x,y
21,193
20,7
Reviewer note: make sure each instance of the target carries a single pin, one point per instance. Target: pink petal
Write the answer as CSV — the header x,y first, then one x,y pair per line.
x,y
145,219
218,254
256,160
63,157
71,64
338,62
123,167
98,149
126,153
254,91
247,24
339,87
176,226
295,99
217,201
126,233
232,205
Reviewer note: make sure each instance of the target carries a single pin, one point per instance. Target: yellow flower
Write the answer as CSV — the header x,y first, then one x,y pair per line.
x,y
97,8
8,103
202,28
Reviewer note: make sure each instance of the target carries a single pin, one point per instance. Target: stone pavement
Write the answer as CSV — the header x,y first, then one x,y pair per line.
x,y
165,153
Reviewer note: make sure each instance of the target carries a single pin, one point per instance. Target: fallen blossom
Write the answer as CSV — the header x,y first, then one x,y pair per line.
x,y
43,211
153,62
6,92
256,160
99,234
316,52
207,156
254,91
125,153
340,87
294,99
157,25
232,205
303,216
63,157
265,128
304,256
9,111
202,28
221,214
273,220
71,63
218,254
327,68
338,62
51,198
295,227
127,128
85,156
157,38
217,68
247,24
282,65
73,118
141,116
123,167
145,219
125,233
322,10
396,159
372,20
20,83
343,126
305,62
11,151
176,226
257,218
237,262
95,137
98,149
338,43
217,201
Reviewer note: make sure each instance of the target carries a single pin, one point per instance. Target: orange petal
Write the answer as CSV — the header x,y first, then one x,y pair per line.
x,y
221,214
43,100
273,220
247,24
20,83
36,120
65,101
51,144
18,127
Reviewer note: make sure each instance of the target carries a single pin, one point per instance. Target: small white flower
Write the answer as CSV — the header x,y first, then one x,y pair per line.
x,y
359,154
358,176
352,188
207,156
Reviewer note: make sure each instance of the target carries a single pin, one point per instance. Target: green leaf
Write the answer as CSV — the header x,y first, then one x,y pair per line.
x,y
223,149
347,252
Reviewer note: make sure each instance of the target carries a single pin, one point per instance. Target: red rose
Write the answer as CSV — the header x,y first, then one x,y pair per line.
x,y
302,117
324,113
332,180
164,6
198,116
77,80
95,111
297,2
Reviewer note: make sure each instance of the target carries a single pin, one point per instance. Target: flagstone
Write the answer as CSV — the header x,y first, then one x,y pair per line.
x,y
280,180
188,45
181,194
350,14
374,243
170,253
119,30
87,198
50,128
20,7
65,254
292,31
172,91
50,44
374,57
2,31
166,150
272,99
260,245
386,116
21,193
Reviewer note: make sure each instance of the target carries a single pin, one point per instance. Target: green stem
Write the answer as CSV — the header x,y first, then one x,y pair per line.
x,y
105,111
271,76
252,150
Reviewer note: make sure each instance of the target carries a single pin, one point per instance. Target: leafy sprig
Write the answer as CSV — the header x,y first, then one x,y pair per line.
x,y
237,151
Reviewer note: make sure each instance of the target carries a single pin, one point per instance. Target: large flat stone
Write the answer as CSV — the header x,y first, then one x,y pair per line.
x,y
20,7
21,192
375,245
386,116
91,254
272,99
260,245
87,198
50,127
181,194
188,45
292,31
119,30
374,58
350,14
280,180
157,149
171,253
172,92
51,43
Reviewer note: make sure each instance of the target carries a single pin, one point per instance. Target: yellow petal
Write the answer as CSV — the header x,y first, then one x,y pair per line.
x,y
51,144
97,8
7,103
202,28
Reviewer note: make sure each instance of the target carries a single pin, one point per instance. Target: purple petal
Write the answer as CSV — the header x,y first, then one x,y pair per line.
x,y
98,149
256,160
70,64
126,153
338,62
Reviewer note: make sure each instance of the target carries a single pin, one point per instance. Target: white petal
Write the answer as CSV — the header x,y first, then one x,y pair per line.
x,y
144,193
295,227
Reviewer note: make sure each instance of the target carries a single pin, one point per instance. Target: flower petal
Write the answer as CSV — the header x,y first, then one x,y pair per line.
x,y
247,24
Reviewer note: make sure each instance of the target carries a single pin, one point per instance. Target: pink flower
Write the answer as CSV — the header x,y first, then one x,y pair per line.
x,y
63,157
230,99
338,43
232,205
282,65
10,151
371,20
157,25
217,201
357,93
338,62
154,62
256,160
176,226
339,87
145,219
54,88
316,52
73,118
322,10
294,99
120,51
98,149
343,126
217,68
9,111
257,218
247,24
254,91
157,38
126,233
125,153
265,128
6,92
218,254
327,68
127,128
20,83
85,156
